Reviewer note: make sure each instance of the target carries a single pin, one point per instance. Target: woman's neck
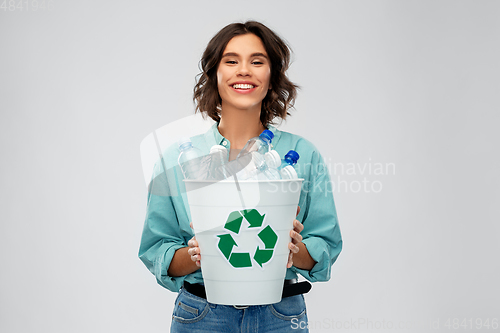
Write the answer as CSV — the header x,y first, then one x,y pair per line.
x,y
238,126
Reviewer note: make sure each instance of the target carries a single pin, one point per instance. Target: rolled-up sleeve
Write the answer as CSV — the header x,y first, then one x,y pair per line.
x,y
321,234
160,239
162,234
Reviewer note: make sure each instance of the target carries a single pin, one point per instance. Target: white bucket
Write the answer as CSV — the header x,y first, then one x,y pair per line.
x,y
261,215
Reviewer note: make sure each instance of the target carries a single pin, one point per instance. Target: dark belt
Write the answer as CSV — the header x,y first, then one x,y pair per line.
x,y
290,288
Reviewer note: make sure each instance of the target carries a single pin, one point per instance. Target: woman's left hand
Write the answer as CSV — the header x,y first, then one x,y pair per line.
x,y
296,238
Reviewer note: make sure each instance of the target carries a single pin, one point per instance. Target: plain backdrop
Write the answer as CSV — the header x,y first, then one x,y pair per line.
x,y
400,97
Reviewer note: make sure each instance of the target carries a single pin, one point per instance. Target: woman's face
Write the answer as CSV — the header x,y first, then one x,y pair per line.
x,y
243,74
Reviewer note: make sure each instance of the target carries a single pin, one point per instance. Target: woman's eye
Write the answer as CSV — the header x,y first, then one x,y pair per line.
x,y
231,62
257,63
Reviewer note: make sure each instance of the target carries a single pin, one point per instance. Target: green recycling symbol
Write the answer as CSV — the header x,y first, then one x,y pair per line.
x,y
267,235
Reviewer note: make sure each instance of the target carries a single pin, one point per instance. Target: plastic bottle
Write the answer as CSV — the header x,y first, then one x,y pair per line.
x,y
261,144
190,160
239,167
260,167
270,171
288,172
287,169
291,158
218,157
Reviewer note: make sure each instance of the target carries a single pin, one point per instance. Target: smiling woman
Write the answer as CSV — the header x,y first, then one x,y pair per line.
x,y
243,87
265,50
243,78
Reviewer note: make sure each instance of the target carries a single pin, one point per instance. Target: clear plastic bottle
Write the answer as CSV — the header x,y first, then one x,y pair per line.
x,y
190,160
239,167
218,157
287,169
261,144
288,172
291,158
260,167
269,171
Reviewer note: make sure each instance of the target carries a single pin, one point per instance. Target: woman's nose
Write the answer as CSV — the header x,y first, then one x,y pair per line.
x,y
243,70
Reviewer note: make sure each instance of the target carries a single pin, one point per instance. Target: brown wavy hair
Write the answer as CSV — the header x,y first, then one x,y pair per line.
x,y
279,99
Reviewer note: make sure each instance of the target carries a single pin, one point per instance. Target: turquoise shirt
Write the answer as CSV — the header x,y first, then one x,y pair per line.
x,y
167,229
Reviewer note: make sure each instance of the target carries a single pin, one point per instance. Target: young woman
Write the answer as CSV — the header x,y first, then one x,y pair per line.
x,y
243,87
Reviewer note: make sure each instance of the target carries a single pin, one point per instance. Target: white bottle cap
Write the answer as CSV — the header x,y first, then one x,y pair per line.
x,y
217,148
289,172
273,159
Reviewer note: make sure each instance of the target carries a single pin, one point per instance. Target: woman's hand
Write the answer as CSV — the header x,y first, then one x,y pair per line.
x,y
194,250
296,239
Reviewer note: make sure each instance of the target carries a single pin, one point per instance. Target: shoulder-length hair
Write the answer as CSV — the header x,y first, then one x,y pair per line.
x,y
281,96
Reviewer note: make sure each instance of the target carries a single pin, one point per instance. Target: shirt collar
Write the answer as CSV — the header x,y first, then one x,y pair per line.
x,y
213,135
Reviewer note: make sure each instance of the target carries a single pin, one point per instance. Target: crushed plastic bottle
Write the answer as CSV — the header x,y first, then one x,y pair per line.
x,y
261,144
218,157
255,162
256,166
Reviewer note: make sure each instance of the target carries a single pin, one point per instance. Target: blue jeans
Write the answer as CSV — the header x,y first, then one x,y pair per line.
x,y
194,314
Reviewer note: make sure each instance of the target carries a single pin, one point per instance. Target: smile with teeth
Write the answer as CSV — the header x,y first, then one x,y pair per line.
x,y
243,86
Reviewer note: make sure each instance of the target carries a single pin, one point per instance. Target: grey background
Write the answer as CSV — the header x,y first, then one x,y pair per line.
x,y
412,83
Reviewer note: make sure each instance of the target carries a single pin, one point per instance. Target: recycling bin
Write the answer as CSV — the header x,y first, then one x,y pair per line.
x,y
243,231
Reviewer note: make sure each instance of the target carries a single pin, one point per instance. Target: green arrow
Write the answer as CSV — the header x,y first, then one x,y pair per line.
x,y
240,260
262,256
233,222
269,237
253,217
226,244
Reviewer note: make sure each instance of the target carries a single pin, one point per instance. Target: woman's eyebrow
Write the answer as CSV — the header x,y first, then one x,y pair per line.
x,y
259,54
233,54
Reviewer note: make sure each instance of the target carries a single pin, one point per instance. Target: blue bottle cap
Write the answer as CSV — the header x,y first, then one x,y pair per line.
x,y
267,134
293,155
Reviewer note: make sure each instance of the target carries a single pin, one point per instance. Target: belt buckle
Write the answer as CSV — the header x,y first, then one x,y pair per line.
x,y
241,307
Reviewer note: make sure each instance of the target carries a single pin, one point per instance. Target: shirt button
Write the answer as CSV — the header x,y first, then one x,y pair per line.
x,y
224,143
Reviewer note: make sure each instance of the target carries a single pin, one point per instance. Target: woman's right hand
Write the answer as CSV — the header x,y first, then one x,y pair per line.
x,y
194,250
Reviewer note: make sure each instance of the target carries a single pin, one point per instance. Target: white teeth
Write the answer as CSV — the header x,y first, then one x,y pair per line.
x,y
242,86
